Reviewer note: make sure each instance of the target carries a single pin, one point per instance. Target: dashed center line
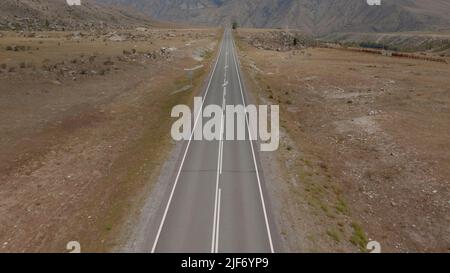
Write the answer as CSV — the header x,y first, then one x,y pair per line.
x,y
218,192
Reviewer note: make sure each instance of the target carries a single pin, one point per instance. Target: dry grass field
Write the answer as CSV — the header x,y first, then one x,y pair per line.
x,y
365,147
85,126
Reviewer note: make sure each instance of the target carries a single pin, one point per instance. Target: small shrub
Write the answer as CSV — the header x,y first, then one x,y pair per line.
x,y
334,235
359,237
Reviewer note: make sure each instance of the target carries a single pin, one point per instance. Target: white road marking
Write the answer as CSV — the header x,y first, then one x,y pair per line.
x,y
222,128
185,153
219,164
221,156
218,221
253,153
216,227
225,82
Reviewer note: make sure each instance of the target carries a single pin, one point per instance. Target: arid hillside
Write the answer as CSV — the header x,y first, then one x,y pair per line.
x,y
35,15
311,16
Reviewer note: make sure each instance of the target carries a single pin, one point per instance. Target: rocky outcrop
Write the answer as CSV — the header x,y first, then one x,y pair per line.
x,y
278,40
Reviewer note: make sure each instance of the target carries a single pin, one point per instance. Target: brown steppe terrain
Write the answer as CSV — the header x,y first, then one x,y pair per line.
x,y
364,152
85,124
84,129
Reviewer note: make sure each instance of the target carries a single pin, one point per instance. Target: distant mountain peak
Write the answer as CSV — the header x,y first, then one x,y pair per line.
x,y
312,16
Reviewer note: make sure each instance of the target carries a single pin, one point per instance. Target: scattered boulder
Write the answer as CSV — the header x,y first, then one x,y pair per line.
x,y
278,40
108,62
117,38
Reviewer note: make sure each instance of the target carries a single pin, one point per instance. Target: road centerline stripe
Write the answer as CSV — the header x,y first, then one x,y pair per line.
x,y
214,239
216,225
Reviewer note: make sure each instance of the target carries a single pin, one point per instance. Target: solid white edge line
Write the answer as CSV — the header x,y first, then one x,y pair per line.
x,y
155,243
253,153
218,220
219,157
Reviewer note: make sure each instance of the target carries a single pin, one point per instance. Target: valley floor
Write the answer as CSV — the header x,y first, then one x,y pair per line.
x,y
364,153
85,124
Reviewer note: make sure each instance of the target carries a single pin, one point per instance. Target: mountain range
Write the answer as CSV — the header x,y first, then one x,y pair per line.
x,y
317,17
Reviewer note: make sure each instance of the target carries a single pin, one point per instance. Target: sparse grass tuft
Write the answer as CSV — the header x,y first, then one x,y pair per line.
x,y
334,235
359,237
207,54
342,207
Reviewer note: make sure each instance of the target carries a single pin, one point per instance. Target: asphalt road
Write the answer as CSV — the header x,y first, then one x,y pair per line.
x,y
217,202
